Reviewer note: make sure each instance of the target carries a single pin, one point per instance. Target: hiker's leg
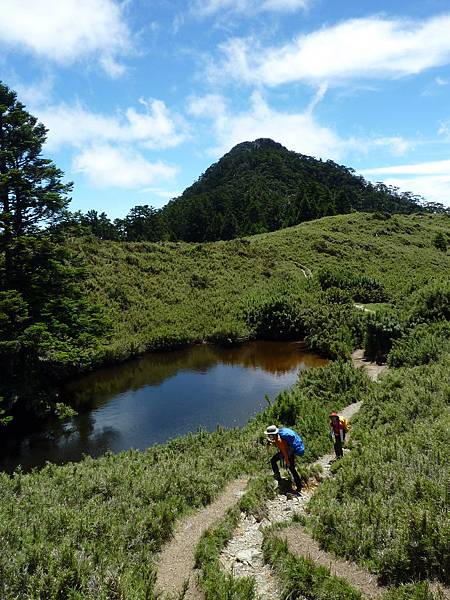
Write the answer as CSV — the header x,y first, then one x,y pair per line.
x,y
274,462
338,447
295,475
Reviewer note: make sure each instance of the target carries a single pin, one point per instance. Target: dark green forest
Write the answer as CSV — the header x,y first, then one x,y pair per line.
x,y
257,187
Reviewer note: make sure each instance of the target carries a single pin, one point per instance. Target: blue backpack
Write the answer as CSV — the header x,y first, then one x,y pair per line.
x,y
293,440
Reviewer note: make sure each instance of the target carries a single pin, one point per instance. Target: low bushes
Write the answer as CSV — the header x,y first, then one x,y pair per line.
x,y
276,314
430,303
361,287
382,328
387,506
421,345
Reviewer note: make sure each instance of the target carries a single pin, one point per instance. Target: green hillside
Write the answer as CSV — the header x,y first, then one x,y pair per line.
x,y
163,294
93,529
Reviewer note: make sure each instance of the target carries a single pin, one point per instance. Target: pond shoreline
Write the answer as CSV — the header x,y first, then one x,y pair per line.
x,y
158,396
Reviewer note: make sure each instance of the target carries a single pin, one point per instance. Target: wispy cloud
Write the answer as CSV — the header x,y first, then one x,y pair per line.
x,y
425,168
68,30
208,8
297,131
372,47
428,179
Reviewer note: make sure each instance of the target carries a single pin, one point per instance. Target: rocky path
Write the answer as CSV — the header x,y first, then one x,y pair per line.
x,y
243,554
176,563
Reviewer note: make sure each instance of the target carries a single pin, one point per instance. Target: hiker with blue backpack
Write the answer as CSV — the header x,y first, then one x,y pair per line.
x,y
289,445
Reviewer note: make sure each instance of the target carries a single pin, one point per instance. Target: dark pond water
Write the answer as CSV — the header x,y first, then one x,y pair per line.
x,y
159,396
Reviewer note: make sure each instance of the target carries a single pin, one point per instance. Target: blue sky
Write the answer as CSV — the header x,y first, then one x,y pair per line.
x,y
141,96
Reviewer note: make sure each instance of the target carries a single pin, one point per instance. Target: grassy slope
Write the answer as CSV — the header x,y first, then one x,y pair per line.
x,y
89,530
160,292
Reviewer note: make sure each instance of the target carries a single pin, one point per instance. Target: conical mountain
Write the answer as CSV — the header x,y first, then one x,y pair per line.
x,y
262,186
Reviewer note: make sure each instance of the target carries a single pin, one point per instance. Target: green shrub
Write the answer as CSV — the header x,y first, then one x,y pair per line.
x,y
387,506
333,329
360,287
276,316
440,241
431,303
382,328
421,345
418,591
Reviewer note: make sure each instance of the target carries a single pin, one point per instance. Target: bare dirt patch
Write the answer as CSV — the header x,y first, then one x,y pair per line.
x,y
372,369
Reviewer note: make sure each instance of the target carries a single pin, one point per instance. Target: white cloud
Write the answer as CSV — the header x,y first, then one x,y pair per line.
x,y
428,179
297,131
372,47
107,166
210,7
152,127
433,188
437,167
161,193
66,30
396,144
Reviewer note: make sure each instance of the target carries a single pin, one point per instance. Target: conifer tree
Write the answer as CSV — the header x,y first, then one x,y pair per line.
x,y
47,328
31,190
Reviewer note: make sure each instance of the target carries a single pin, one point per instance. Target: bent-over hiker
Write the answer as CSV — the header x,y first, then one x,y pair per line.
x,y
338,428
289,444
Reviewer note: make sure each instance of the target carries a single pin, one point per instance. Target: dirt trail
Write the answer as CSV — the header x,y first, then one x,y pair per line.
x,y
372,369
176,564
243,555
302,544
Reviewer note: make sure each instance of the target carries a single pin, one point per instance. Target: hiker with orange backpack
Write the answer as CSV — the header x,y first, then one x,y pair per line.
x,y
338,428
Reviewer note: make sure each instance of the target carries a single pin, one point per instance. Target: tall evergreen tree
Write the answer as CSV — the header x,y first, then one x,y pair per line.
x,y
31,190
46,326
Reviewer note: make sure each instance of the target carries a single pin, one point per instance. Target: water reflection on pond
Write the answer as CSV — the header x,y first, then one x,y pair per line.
x,y
161,395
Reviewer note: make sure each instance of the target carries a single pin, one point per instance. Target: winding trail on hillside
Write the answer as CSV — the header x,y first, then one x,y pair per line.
x,y
243,554
177,560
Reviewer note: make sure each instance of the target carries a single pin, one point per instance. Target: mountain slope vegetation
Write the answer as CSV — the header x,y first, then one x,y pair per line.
x,y
261,186
257,187
152,292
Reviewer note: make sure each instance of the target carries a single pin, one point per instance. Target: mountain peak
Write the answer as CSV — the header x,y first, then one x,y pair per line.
x,y
261,186
257,144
